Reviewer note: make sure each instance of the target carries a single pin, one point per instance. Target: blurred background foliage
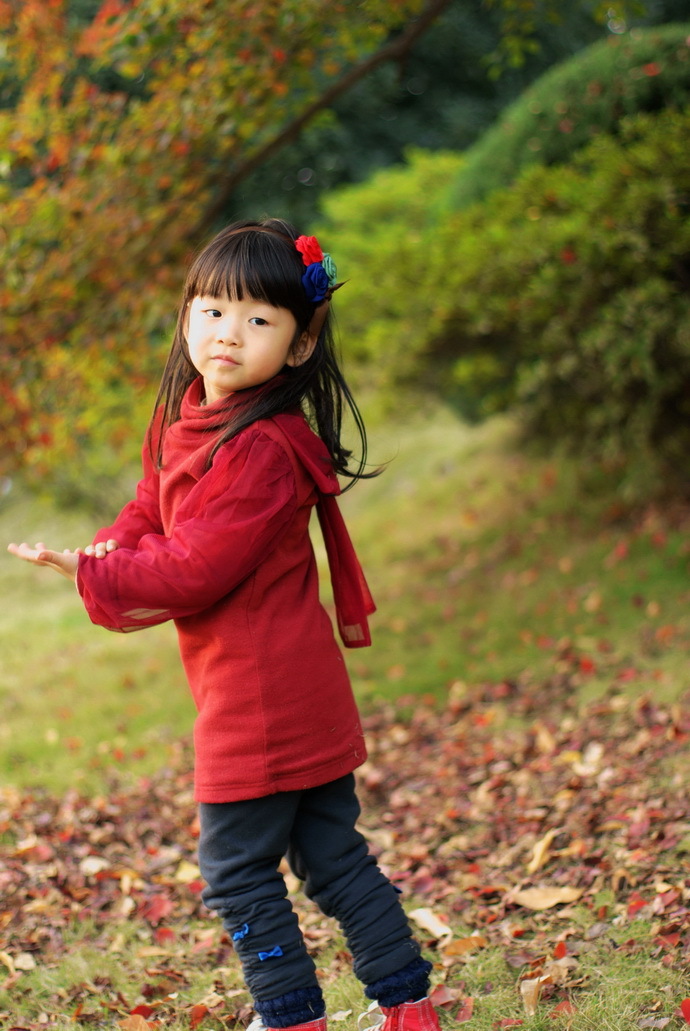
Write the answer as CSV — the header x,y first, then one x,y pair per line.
x,y
564,293
504,190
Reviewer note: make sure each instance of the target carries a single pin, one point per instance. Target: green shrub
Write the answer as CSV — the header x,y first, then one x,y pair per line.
x,y
645,70
374,231
565,294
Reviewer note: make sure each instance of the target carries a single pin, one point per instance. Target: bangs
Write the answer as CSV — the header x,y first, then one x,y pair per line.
x,y
251,265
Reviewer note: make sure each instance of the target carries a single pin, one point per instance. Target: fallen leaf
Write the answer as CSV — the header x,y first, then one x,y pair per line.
x,y
465,1012
92,865
7,961
444,997
428,921
542,852
463,946
340,1015
197,1014
530,990
565,1008
544,898
24,961
187,872
164,934
559,970
156,908
213,1000
685,1010
134,1023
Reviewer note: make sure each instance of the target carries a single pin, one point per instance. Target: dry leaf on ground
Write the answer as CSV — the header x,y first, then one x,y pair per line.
x,y
544,898
428,921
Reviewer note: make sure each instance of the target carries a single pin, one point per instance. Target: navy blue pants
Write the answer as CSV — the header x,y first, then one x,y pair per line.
x,y
240,849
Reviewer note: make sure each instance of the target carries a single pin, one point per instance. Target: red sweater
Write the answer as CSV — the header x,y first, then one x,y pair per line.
x,y
226,553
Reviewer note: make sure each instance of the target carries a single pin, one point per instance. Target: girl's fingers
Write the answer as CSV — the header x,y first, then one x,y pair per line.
x,y
99,550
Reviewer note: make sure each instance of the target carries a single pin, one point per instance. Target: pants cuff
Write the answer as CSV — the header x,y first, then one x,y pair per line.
x,y
298,1007
406,985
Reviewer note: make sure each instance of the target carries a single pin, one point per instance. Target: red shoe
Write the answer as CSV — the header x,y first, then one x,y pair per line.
x,y
409,1016
257,1024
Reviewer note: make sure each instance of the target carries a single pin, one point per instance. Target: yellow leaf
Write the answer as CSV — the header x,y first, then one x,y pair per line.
x,y
530,990
24,961
7,960
428,921
545,898
134,1023
542,852
461,946
187,872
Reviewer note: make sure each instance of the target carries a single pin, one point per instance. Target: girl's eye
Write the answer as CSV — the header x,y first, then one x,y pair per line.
x,y
258,321
213,313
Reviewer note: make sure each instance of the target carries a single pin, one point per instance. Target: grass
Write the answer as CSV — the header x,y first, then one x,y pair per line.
x,y
485,561
79,701
487,565
613,990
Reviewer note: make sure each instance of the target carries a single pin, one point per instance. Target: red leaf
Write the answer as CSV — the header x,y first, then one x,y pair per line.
x,y
162,935
685,1010
465,1012
563,1008
636,903
443,997
142,1011
156,908
197,1014
560,951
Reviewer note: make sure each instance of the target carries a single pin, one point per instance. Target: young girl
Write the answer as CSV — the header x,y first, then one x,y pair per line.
x,y
217,540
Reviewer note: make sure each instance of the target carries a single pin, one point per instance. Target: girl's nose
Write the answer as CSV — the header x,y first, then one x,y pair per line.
x,y
227,332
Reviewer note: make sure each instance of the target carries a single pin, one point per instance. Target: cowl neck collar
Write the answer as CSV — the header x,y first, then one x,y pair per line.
x,y
200,424
192,436
194,406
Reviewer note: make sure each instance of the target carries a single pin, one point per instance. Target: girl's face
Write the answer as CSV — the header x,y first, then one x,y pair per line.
x,y
239,344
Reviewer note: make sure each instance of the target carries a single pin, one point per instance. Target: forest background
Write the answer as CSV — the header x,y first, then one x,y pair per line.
x,y
505,188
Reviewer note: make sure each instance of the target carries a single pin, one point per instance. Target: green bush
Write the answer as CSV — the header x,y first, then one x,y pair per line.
x,y
645,70
565,294
375,231
578,293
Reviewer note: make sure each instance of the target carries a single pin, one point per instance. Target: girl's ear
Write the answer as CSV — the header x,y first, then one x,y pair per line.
x,y
303,349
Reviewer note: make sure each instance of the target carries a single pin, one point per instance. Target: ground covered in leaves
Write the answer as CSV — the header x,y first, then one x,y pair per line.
x,y
519,825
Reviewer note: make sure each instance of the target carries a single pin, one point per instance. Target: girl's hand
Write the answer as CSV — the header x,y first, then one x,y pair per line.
x,y
65,562
101,549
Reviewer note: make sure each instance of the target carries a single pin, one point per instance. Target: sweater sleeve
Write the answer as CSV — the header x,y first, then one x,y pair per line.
x,y
141,515
229,522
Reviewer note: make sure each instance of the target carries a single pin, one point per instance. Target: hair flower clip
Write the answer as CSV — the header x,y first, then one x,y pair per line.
x,y
321,274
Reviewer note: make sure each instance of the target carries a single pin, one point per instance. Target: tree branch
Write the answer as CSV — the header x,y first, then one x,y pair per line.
x,y
396,50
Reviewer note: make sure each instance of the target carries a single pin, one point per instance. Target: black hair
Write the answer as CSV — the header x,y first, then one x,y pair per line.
x,y
258,260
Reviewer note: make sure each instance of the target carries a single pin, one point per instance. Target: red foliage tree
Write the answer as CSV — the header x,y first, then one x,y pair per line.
x,y
104,191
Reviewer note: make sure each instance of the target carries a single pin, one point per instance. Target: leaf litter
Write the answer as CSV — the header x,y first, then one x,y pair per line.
x,y
503,816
